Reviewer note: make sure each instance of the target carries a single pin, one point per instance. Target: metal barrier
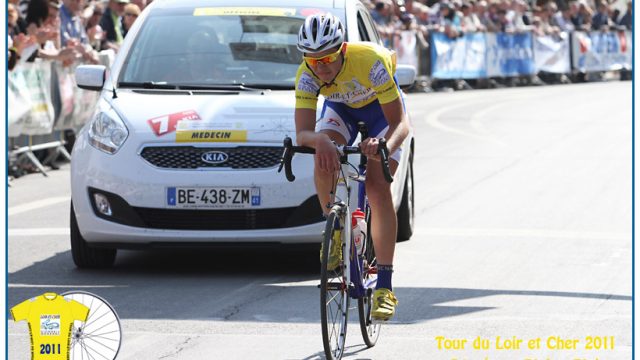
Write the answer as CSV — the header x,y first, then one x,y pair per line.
x,y
44,103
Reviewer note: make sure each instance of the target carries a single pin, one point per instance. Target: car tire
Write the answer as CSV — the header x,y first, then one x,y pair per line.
x,y
406,209
85,256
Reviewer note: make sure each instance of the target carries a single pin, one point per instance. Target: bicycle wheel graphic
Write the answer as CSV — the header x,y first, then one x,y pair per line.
x,y
101,335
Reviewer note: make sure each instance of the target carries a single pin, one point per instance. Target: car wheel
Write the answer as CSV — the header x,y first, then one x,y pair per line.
x,y
85,256
405,212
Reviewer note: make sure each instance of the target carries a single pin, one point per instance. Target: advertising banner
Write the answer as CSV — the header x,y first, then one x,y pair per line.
x,y
39,120
602,51
551,53
460,58
18,101
509,54
406,46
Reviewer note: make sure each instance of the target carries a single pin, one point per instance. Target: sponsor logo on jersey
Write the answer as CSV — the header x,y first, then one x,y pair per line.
x,y
50,324
378,74
307,84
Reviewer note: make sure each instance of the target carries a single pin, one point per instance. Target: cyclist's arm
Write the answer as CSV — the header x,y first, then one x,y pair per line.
x,y
398,124
306,127
398,129
326,156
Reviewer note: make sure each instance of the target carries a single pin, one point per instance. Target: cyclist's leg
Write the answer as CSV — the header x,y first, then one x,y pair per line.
x,y
332,123
383,218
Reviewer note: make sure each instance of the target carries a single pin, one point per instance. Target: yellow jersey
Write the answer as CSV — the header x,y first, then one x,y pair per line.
x,y
50,318
366,75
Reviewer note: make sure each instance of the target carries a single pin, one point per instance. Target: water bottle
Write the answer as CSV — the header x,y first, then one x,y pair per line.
x,y
359,226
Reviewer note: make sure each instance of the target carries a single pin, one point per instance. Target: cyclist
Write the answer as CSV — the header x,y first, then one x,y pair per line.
x,y
357,82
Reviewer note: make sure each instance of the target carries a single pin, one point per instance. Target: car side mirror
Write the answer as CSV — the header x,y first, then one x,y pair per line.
x,y
91,77
406,75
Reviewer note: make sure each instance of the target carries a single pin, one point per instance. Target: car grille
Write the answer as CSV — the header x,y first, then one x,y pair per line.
x,y
215,219
189,157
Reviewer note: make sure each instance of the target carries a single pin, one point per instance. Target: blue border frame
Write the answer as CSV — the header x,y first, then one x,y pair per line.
x,y
6,191
633,190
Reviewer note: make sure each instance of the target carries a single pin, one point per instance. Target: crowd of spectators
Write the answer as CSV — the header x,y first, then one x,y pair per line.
x,y
456,17
67,30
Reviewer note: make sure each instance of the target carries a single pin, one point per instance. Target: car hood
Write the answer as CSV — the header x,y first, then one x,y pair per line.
x,y
178,116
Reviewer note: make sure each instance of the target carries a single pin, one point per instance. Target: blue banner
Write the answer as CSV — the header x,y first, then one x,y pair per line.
x,y
460,58
602,51
510,54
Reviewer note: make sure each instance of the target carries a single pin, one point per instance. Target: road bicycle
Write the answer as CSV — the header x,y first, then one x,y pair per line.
x,y
356,275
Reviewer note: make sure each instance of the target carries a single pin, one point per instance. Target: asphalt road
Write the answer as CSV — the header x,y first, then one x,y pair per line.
x,y
523,213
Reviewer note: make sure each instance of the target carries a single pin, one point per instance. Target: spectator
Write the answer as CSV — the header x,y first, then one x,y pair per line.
x,y
491,17
585,13
504,24
73,33
71,26
382,15
562,19
470,22
95,33
16,24
450,23
577,18
600,20
16,45
111,23
517,14
545,15
626,20
536,26
481,11
131,13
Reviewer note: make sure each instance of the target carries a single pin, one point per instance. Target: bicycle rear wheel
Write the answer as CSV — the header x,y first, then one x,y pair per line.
x,y
334,292
370,331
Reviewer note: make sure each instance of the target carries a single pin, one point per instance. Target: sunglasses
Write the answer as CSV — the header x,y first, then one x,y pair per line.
x,y
325,60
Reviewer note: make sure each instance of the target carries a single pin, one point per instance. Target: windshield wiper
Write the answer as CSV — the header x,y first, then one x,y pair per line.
x,y
236,87
147,85
228,87
272,86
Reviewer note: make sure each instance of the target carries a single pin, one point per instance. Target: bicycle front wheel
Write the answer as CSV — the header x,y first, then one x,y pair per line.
x,y
334,289
100,336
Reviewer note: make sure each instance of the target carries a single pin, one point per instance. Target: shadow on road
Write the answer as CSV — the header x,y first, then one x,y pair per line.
x,y
265,285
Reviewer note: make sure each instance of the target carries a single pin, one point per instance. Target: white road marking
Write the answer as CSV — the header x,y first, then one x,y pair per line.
x,y
535,233
39,232
478,125
433,120
37,204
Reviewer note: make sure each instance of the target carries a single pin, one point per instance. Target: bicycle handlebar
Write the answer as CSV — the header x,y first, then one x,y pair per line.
x,y
289,150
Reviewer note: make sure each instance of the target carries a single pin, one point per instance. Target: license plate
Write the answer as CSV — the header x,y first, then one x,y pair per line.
x,y
213,197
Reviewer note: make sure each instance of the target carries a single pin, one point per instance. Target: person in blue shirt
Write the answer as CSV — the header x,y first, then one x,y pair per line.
x,y
72,32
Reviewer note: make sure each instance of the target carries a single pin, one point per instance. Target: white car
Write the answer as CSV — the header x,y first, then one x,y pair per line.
x,y
187,135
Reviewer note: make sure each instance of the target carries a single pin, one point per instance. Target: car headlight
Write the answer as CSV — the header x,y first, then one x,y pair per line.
x,y
107,132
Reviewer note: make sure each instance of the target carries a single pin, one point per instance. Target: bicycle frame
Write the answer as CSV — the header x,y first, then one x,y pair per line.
x,y
353,262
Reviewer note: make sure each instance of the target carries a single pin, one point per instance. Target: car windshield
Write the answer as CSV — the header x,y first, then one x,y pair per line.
x,y
216,46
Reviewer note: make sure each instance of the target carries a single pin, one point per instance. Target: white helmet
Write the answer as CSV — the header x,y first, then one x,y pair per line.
x,y
320,32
